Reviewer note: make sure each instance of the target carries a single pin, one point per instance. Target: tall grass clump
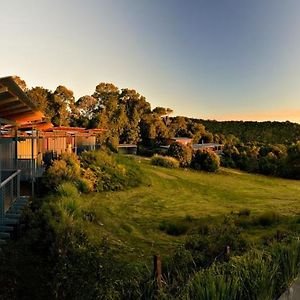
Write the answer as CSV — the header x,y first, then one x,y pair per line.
x,y
259,274
165,161
212,283
256,273
287,258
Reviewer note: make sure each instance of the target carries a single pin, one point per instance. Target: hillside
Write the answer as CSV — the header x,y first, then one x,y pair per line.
x,y
133,218
100,245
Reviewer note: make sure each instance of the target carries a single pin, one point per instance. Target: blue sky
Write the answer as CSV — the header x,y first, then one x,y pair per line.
x,y
223,59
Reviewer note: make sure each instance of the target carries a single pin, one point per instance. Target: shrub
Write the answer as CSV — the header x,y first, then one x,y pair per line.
x,y
181,152
173,228
205,160
244,212
67,168
267,218
67,189
165,161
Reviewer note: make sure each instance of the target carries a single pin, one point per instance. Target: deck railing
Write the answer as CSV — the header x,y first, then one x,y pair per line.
x,y
9,191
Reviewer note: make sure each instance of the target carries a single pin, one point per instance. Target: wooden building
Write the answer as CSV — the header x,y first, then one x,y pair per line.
x,y
15,109
127,148
213,147
181,140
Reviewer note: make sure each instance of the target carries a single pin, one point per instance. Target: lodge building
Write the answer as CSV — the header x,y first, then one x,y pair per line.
x,y
27,141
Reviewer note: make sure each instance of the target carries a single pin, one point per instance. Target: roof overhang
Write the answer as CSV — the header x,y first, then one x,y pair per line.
x,y
15,106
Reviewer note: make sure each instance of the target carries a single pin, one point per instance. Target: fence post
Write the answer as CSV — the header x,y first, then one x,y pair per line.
x,y
227,252
157,270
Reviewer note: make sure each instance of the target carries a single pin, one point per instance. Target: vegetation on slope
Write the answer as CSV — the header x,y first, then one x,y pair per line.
x,y
100,245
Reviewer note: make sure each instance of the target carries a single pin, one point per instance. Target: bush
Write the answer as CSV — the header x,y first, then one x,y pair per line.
x,y
181,152
267,218
205,160
244,212
173,228
165,161
67,189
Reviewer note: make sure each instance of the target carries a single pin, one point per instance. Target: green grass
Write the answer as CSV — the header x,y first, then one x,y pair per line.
x,y
133,219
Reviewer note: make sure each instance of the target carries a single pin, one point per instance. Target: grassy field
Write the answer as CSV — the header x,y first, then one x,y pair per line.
x,y
132,218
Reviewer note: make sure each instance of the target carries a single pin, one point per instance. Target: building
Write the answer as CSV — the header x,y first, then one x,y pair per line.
x,y
214,147
181,140
127,148
15,109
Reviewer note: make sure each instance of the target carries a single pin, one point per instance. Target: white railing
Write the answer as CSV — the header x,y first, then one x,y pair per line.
x,y
9,191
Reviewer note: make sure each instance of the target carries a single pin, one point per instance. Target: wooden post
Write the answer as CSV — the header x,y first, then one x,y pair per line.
x,y
157,270
16,148
227,252
278,235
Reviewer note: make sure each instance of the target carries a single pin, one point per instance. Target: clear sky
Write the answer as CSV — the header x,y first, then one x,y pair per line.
x,y
222,59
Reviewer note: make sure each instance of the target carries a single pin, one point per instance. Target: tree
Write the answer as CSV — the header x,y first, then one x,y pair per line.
x,y
41,98
162,111
293,161
153,130
181,152
136,107
87,110
62,102
205,160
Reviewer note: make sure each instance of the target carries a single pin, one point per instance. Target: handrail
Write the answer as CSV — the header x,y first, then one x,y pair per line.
x,y
8,179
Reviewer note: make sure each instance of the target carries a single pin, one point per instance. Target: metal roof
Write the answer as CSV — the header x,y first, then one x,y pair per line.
x,y
15,106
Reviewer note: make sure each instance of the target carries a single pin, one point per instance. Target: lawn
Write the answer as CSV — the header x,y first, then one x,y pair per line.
x,y
132,218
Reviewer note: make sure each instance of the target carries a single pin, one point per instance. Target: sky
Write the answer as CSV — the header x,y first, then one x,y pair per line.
x,y
216,59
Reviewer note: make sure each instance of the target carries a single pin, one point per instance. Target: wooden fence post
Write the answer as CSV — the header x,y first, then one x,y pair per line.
x,y
227,251
157,270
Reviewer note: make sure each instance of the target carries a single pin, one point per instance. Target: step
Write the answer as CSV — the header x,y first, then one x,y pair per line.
x,y
4,235
17,206
12,215
4,228
24,199
2,242
10,221
15,210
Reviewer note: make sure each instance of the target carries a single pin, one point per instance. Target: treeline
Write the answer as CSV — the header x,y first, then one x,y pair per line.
x,y
130,118
249,131
264,147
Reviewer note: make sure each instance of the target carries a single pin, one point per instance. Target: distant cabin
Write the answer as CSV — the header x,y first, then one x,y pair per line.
x,y
127,149
181,140
214,147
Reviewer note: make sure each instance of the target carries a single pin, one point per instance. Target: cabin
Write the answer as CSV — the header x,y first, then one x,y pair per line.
x,y
127,149
15,109
181,140
213,147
